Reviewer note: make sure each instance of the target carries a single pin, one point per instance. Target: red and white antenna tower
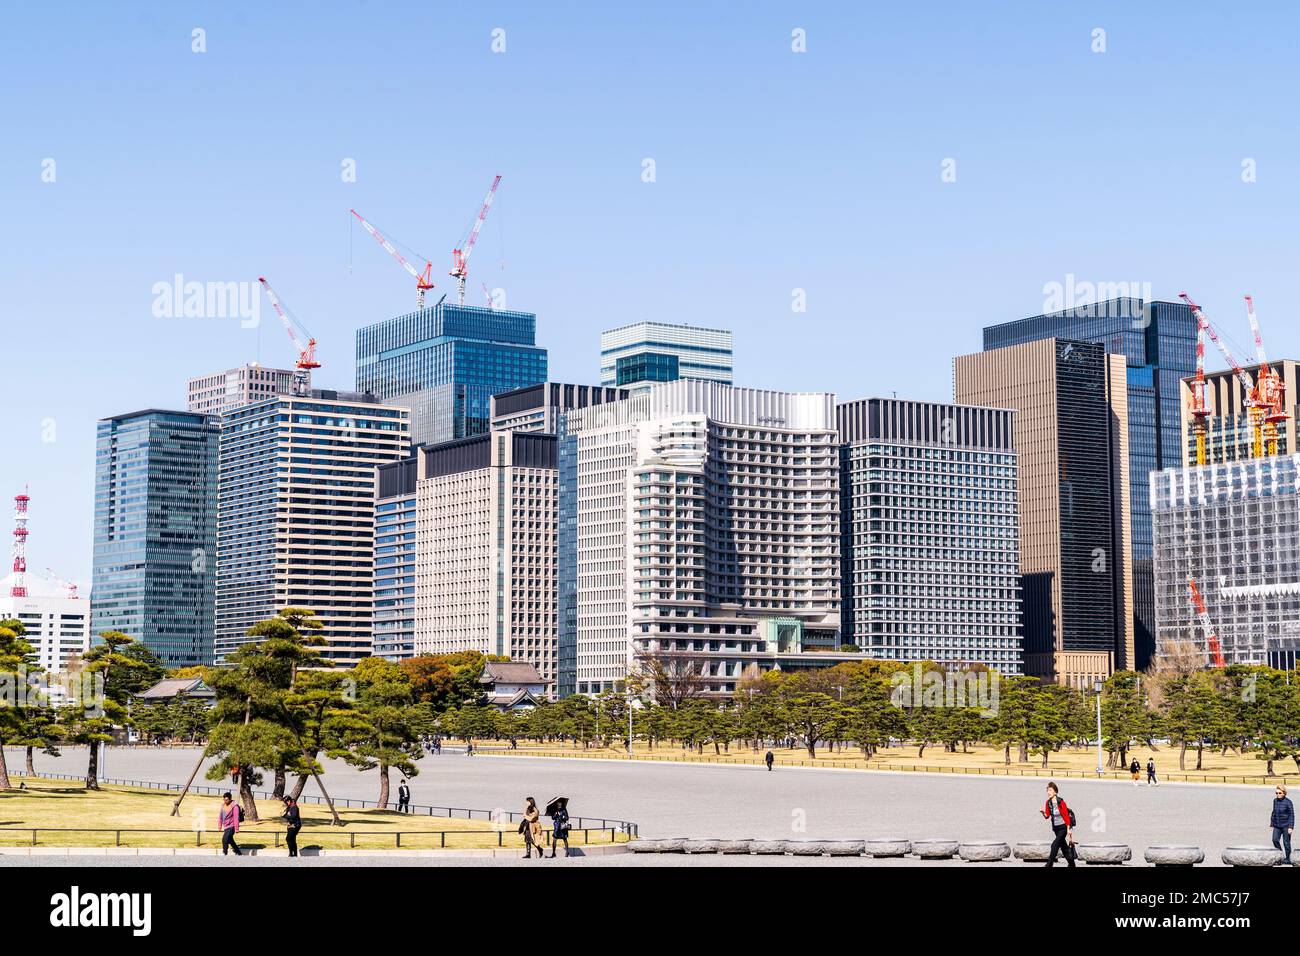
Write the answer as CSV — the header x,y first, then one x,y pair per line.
x,y
19,588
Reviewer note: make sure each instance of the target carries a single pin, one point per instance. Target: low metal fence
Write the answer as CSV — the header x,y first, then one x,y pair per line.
x,y
590,836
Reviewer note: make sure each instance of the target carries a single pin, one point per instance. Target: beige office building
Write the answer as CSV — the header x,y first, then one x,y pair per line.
x,y
1071,438
1228,431
222,391
485,548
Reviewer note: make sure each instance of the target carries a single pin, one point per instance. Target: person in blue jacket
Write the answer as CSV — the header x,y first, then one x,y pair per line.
x,y
1283,823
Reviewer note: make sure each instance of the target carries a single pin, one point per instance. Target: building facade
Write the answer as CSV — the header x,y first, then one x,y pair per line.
x,y
645,353
1234,529
485,554
1075,534
156,532
537,408
55,625
395,560
296,514
217,393
930,532
445,363
699,526
1229,433
1158,342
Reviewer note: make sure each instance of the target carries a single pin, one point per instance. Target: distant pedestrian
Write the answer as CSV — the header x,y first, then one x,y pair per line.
x,y
531,827
403,797
1283,823
1135,769
469,748
514,744
770,759
1151,773
560,829
228,824
1061,817
293,817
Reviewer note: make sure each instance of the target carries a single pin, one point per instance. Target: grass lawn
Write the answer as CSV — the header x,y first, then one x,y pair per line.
x,y
63,807
1070,762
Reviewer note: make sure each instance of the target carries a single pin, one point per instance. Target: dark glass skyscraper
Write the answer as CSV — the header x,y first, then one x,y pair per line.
x,y
156,532
446,362
1158,341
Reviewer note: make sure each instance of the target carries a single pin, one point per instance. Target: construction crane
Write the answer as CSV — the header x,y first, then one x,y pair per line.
x,y
66,585
423,280
487,294
1253,410
1200,414
461,253
1203,616
1270,390
306,353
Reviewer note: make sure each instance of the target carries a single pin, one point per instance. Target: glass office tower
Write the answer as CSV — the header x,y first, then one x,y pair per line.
x,y
644,353
154,565
395,560
1158,341
446,362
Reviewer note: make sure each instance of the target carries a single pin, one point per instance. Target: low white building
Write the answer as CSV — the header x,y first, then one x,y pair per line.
x,y
57,626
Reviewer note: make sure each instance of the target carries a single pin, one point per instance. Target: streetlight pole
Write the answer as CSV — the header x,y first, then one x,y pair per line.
x,y
1097,687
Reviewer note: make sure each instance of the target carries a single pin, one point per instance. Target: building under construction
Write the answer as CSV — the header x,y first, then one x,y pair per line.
x,y
1233,530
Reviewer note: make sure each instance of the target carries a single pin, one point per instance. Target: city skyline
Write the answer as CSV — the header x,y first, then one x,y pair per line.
x,y
138,201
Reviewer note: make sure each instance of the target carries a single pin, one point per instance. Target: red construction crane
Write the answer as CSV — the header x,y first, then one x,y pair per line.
x,y
487,294
423,280
1203,616
306,353
1270,388
1199,412
66,585
461,253
1253,408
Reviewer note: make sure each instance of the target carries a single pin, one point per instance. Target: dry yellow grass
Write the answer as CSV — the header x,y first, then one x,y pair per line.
x,y
56,808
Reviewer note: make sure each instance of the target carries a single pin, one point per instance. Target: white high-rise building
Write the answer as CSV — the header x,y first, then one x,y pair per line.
x,y
57,626
699,525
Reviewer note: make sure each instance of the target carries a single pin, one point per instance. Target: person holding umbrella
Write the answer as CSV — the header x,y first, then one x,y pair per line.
x,y
557,808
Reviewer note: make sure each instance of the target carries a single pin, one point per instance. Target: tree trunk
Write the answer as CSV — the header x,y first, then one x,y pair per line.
x,y
383,787
31,767
1200,749
1024,753
1182,755
1269,769
299,784
1044,759
920,751
176,804
246,797
328,799
1006,755
92,767
277,790
812,748
4,772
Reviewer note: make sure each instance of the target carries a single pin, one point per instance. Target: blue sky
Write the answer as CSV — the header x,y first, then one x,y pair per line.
x,y
775,171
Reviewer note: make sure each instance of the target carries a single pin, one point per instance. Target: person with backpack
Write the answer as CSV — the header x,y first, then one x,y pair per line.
x,y
403,797
228,819
1283,823
292,816
1061,817
1151,773
769,760
1135,769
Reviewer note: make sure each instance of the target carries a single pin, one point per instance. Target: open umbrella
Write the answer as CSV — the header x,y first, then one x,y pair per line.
x,y
555,803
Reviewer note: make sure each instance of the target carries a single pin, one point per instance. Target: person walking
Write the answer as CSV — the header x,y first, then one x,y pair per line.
x,y
228,824
1059,815
560,829
532,829
292,816
403,797
769,760
1135,769
1151,773
1283,823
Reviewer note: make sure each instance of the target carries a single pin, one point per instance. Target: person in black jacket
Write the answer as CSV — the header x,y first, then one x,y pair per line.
x,y
403,797
560,829
768,759
1283,823
293,817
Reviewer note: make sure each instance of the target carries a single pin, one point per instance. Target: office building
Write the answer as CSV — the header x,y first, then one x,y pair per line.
x,y
1158,341
1229,434
395,560
537,408
56,625
1234,529
644,353
930,533
296,514
155,531
1071,441
217,393
699,528
445,363
485,549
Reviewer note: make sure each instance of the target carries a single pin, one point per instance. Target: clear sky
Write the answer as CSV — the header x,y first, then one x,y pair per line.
x,y
774,170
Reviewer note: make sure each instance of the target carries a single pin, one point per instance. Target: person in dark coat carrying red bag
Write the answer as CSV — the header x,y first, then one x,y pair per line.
x,y
1059,815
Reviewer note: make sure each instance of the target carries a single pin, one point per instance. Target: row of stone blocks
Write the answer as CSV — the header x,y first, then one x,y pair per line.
x,y
978,851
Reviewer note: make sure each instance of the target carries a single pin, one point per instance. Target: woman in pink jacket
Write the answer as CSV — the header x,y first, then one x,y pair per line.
x,y
228,824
